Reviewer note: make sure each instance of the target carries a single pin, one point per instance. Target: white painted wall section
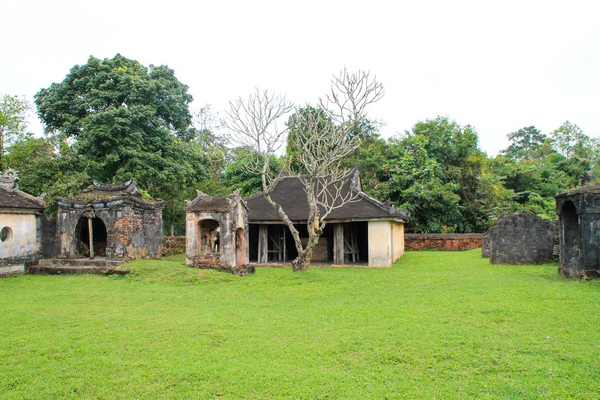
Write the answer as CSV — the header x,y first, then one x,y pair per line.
x,y
380,244
398,239
23,241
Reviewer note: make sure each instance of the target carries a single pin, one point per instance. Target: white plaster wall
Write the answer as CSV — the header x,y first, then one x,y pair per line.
x,y
380,244
23,242
398,239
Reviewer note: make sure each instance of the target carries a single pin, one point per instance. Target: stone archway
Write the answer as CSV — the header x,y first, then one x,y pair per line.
x,y
99,237
240,247
209,237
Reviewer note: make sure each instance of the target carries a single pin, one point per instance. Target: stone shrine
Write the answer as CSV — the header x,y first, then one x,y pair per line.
x,y
579,218
109,220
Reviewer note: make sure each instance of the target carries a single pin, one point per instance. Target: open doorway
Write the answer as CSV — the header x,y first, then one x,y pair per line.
x,y
209,237
99,237
572,243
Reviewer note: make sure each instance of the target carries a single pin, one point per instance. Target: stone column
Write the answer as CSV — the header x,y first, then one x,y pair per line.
x,y
263,244
338,244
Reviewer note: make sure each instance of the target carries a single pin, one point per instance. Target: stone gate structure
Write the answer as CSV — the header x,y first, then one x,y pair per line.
x,y
217,233
579,218
109,220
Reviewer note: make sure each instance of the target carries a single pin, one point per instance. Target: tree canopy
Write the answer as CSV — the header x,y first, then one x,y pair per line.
x,y
126,120
13,123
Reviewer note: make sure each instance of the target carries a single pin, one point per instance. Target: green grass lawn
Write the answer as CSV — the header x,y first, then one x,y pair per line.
x,y
436,325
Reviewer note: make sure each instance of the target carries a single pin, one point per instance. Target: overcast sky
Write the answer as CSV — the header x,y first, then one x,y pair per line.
x,y
497,65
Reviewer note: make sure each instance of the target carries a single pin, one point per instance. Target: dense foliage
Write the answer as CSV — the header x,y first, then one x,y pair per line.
x,y
115,119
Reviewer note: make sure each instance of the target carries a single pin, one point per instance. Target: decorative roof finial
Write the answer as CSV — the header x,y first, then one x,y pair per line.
x,y
8,180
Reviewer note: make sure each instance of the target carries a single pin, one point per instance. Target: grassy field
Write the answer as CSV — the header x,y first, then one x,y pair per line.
x,y
436,325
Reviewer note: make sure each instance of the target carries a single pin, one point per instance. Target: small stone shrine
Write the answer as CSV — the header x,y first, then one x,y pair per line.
x,y
20,226
110,220
521,238
216,233
579,232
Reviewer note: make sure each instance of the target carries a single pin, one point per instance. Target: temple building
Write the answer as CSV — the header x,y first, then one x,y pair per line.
x,y
363,232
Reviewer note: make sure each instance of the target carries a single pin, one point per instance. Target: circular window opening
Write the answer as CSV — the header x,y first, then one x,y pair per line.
x,y
5,234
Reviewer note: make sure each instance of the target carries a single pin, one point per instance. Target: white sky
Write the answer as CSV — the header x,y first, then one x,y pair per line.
x,y
497,65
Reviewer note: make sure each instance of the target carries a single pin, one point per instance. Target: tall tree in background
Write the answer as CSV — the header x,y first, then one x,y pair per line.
x,y
13,123
527,143
126,121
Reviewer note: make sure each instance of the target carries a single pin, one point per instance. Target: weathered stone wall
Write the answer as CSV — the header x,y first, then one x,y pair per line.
x,y
485,246
173,245
521,238
444,242
50,245
132,232
579,215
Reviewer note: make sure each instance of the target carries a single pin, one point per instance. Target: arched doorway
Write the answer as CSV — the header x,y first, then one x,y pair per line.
x,y
209,237
570,251
99,237
240,247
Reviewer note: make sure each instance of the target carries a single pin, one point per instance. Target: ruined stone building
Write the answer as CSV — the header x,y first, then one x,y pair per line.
x,y
109,220
217,232
20,226
363,232
579,218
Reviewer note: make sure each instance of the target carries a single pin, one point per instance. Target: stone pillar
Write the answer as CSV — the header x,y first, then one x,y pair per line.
x,y
338,244
263,244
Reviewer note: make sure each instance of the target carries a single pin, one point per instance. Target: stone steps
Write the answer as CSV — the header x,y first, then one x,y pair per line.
x,y
75,262
97,265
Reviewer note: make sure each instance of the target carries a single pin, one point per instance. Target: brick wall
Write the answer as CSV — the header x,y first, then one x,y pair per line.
x,y
446,242
173,245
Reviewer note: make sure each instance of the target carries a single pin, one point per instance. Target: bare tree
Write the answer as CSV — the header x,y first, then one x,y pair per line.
x,y
324,141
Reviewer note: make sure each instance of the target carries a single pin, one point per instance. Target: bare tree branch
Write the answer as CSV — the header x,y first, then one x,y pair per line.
x,y
253,121
350,94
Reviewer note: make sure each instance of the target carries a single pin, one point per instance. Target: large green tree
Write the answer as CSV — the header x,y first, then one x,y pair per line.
x,y
127,121
13,123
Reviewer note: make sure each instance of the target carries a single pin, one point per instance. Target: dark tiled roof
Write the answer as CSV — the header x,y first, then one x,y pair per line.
x,y
289,193
15,198
210,203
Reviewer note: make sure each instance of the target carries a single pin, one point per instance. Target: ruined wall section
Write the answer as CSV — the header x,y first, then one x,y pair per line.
x,y
443,242
521,238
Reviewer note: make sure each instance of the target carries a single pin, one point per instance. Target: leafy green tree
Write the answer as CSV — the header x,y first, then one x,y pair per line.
x,y
527,143
48,165
127,121
13,123
240,173
300,123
